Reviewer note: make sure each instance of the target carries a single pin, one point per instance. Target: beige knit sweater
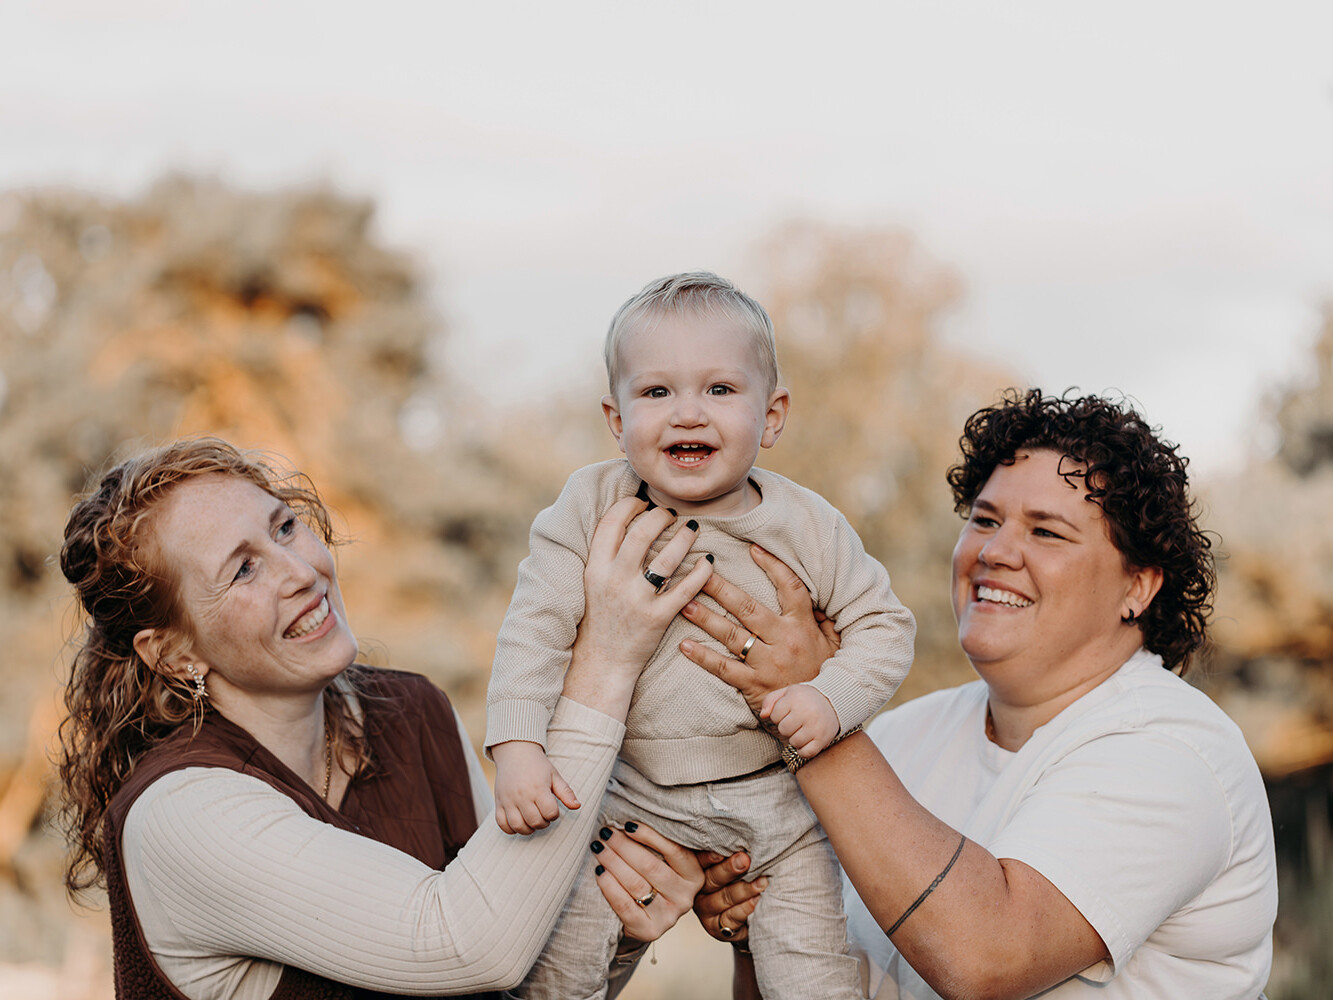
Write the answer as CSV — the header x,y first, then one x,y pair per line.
x,y
685,725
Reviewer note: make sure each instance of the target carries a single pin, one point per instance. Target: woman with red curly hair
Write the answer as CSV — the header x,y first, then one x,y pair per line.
x,y
1080,822
273,820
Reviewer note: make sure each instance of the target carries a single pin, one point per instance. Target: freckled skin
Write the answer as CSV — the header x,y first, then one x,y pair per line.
x,y
249,570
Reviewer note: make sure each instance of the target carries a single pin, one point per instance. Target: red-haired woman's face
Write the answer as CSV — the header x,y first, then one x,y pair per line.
x,y
259,589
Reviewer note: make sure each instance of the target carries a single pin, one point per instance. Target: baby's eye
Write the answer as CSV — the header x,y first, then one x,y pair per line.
x,y
656,392
719,390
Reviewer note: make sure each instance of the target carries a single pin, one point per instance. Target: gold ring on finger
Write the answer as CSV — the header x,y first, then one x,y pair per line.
x,y
645,900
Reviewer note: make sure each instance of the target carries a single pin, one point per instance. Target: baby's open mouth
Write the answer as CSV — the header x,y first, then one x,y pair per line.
x,y
689,452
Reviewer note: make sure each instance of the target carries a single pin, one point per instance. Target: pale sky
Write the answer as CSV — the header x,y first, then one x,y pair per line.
x,y
1137,196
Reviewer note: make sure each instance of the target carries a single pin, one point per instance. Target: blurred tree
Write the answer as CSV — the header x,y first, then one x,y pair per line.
x,y
1272,667
1303,412
878,403
276,320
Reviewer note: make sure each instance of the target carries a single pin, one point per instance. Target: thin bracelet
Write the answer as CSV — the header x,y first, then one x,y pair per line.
x,y
930,888
794,761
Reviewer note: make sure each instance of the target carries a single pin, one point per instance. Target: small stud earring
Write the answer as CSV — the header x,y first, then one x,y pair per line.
x,y
199,692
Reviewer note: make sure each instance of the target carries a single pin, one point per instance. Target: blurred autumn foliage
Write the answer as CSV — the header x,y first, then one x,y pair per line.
x,y
279,321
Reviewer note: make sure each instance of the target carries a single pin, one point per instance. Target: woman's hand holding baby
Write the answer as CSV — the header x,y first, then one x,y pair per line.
x,y
649,881
625,615
790,644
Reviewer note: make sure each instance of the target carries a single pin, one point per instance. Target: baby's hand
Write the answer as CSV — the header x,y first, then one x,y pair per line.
x,y
804,717
528,788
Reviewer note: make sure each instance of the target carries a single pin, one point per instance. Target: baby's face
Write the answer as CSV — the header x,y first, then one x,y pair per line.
x,y
692,411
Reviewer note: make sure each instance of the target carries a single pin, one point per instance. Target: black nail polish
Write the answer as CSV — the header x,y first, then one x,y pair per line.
x,y
604,833
692,524
631,826
599,870
597,846
672,511
709,557
651,506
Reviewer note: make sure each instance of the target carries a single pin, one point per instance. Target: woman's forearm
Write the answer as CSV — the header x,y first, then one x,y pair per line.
x,y
744,983
988,927
596,681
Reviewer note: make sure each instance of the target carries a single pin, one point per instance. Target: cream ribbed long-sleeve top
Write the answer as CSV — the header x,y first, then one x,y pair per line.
x,y
231,880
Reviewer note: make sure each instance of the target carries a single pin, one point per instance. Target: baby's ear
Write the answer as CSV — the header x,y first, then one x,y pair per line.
x,y
779,403
611,410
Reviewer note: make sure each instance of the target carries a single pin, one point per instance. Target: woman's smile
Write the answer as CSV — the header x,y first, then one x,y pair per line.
x,y
310,620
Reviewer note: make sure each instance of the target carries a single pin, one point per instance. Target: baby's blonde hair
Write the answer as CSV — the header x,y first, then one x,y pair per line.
x,y
699,293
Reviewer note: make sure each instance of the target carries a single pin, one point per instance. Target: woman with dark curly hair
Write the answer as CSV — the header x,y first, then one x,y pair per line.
x,y
1080,820
272,819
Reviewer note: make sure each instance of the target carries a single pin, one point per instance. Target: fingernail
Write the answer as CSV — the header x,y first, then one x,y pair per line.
x,y
604,833
709,557
672,511
651,506
599,870
596,846
692,524
631,826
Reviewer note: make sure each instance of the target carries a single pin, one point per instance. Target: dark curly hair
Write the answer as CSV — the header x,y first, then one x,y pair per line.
x,y
1136,478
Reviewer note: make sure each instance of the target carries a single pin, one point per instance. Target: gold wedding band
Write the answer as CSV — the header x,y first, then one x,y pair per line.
x,y
745,650
645,900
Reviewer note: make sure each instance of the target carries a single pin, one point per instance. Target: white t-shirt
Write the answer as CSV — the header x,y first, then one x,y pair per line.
x,y
1140,802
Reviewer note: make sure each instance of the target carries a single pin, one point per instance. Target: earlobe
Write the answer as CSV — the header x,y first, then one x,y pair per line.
x,y
776,418
611,410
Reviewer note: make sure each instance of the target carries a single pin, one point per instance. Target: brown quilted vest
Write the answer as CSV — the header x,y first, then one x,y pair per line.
x,y
416,799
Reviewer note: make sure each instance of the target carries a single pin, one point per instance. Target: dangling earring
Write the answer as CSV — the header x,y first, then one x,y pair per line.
x,y
1130,618
199,692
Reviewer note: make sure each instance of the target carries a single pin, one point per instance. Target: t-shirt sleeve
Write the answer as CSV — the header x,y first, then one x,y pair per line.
x,y
221,864
1129,827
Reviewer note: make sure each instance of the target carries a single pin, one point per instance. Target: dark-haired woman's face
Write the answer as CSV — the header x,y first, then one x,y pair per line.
x,y
259,588
1039,589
